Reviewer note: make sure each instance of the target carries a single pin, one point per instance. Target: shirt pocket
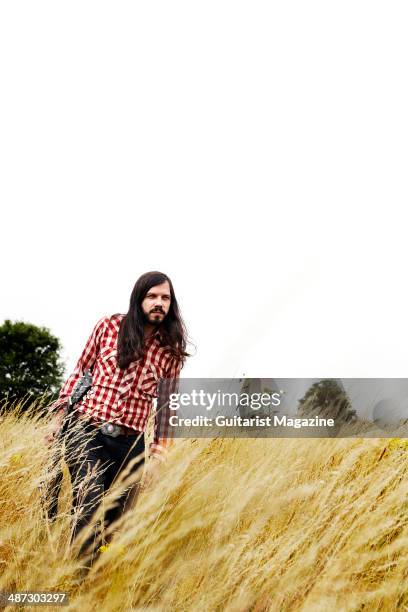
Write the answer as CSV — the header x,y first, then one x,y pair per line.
x,y
149,380
107,361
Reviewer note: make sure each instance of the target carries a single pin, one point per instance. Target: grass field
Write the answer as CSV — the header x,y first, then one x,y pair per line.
x,y
233,524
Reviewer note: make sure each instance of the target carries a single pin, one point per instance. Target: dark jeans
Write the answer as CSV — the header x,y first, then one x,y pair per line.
x,y
94,460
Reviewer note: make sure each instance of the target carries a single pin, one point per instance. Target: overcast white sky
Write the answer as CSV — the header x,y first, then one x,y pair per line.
x,y
256,152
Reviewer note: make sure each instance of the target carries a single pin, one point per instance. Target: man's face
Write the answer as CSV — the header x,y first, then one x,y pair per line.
x,y
156,303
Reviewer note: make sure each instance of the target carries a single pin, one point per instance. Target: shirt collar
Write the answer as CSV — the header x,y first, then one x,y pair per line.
x,y
157,334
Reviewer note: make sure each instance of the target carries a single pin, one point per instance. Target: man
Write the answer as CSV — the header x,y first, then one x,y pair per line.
x,y
128,355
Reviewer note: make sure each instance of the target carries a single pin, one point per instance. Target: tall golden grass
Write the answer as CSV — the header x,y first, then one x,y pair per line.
x,y
231,524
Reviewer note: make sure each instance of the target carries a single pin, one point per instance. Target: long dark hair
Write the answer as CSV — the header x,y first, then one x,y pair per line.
x,y
131,330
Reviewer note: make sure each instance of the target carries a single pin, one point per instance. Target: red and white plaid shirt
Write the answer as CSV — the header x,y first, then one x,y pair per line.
x,y
124,397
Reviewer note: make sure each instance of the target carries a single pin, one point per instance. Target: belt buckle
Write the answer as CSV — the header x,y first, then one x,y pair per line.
x,y
110,429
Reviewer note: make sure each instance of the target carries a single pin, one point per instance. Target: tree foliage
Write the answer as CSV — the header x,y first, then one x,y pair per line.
x,y
327,398
30,364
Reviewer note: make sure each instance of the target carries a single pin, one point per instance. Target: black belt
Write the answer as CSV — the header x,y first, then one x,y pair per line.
x,y
110,429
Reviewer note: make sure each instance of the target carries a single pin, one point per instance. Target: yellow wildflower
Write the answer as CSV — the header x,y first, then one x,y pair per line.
x,y
398,443
103,548
115,548
16,458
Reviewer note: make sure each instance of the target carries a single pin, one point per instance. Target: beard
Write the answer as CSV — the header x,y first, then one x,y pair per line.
x,y
154,318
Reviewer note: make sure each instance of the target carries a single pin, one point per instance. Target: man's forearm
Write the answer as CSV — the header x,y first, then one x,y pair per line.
x,y
59,415
59,404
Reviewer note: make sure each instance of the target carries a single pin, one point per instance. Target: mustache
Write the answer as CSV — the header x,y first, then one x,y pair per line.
x,y
157,310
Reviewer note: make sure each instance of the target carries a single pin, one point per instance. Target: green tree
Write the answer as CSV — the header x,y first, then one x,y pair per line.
x,y
30,364
327,398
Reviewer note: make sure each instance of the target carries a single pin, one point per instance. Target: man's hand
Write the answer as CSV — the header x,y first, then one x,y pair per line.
x,y
151,472
54,428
